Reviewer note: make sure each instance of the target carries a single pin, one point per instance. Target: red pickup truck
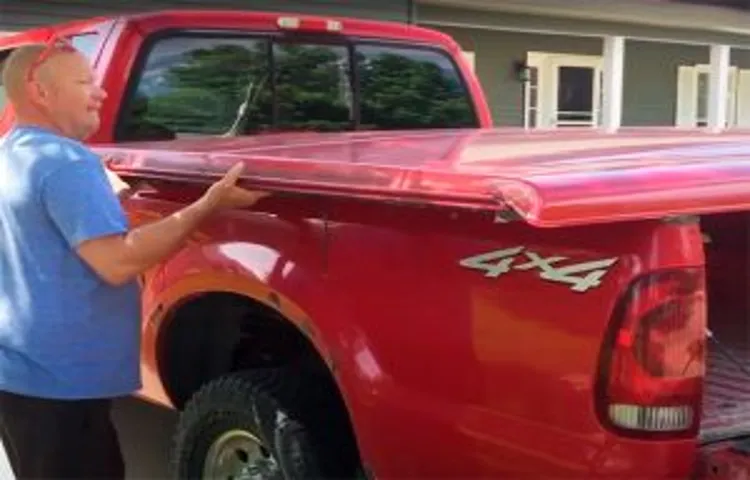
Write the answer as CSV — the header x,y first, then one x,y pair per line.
x,y
424,295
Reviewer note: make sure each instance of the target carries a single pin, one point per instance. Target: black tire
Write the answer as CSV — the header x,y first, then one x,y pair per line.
x,y
277,407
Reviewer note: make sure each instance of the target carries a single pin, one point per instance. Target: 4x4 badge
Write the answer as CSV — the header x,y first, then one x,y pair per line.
x,y
581,276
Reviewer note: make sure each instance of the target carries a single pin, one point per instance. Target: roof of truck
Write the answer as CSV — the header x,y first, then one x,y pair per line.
x,y
246,19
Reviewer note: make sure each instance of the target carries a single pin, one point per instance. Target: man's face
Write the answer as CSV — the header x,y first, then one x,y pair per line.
x,y
66,91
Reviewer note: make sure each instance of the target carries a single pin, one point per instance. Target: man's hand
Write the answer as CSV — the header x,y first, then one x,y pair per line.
x,y
226,194
120,187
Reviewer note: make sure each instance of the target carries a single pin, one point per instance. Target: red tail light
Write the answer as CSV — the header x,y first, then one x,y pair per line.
x,y
652,365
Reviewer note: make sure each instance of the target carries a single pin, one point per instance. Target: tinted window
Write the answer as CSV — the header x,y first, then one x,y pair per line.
x,y
219,86
3,98
313,87
199,85
87,44
405,87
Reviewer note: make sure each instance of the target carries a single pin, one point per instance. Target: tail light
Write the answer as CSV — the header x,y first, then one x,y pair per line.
x,y
653,364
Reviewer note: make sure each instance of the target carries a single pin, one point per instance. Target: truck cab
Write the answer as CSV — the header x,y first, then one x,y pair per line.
x,y
180,74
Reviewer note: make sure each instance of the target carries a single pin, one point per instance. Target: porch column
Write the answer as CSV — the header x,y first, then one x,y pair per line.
x,y
717,88
614,58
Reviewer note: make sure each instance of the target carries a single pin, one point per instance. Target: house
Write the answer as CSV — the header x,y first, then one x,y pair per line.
x,y
547,63
561,63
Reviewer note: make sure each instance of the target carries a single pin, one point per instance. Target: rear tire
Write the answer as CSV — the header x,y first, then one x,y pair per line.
x,y
256,424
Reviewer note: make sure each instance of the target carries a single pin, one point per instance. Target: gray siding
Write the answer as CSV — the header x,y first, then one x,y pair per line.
x,y
455,17
20,14
650,83
495,53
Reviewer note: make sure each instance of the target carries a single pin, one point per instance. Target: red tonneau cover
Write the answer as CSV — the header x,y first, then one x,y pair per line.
x,y
549,178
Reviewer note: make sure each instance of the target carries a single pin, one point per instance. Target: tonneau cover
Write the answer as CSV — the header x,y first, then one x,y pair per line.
x,y
549,178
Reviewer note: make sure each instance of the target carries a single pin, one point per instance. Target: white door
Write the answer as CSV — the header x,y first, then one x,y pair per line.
x,y
564,91
743,99
693,94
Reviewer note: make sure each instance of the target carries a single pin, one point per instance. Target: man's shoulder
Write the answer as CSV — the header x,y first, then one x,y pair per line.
x,y
47,149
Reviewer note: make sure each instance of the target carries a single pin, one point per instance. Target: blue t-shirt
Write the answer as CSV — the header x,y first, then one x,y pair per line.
x,y
64,332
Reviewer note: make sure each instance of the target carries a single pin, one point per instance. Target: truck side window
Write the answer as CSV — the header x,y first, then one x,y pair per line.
x,y
86,43
408,87
199,85
3,99
313,87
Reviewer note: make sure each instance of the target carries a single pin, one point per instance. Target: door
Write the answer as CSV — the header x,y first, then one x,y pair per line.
x,y
693,96
567,90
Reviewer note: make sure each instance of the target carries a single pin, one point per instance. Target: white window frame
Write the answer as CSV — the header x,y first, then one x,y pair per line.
x,y
547,64
470,58
738,96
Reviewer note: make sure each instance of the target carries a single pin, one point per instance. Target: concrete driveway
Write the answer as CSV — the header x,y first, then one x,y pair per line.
x,y
145,431
146,434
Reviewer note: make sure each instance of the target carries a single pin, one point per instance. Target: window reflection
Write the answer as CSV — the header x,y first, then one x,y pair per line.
x,y
405,87
313,87
199,85
210,85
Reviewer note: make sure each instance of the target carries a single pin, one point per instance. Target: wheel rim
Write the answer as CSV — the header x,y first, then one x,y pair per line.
x,y
239,455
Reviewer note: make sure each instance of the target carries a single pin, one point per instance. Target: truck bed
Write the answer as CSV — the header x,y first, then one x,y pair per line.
x,y
726,407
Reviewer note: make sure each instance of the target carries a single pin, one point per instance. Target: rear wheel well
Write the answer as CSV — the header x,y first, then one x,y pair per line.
x,y
214,334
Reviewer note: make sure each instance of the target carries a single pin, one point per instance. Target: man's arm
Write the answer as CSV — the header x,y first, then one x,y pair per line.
x,y
119,256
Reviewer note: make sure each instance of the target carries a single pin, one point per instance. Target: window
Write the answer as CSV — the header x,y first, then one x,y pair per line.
x,y
563,90
531,98
575,95
404,88
87,44
693,96
210,85
3,98
199,85
313,87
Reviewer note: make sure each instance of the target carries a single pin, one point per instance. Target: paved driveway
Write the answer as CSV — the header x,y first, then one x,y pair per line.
x,y
145,431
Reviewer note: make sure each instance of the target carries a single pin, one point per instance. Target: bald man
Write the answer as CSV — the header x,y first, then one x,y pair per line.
x,y
69,302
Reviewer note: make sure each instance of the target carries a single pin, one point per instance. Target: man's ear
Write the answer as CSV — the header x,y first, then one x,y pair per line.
x,y
37,92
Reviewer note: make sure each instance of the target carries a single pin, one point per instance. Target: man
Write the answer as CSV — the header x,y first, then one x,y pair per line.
x,y
69,303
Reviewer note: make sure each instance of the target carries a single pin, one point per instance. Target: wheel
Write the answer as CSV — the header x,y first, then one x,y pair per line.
x,y
253,425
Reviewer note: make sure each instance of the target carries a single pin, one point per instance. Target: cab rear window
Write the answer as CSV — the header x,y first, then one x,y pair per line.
x,y
402,87
190,84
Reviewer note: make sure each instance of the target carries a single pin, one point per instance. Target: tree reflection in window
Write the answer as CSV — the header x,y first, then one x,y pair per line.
x,y
410,88
313,87
200,85
225,86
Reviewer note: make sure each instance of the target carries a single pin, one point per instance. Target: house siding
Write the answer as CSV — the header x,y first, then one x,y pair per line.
x,y
650,80
495,53
650,83
20,14
431,15
650,70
